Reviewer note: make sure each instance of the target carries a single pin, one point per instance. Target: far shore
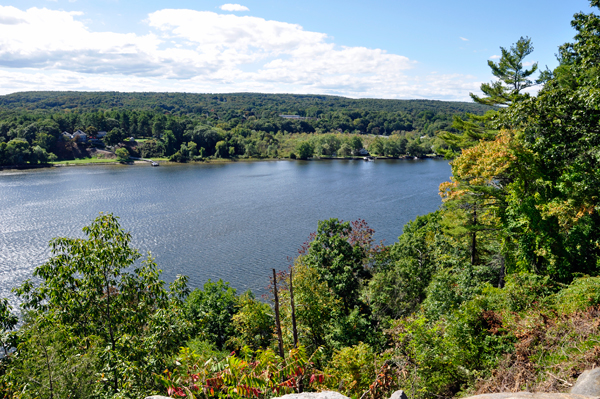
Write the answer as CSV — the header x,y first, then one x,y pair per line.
x,y
165,161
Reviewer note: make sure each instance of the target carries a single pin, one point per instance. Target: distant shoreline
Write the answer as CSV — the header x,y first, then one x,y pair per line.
x,y
78,162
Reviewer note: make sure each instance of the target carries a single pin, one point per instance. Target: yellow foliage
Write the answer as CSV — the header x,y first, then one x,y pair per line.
x,y
481,165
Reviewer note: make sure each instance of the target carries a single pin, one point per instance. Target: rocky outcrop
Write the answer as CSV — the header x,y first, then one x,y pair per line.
x,y
588,383
529,395
314,395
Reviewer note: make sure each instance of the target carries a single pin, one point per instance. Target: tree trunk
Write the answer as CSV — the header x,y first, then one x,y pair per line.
x,y
277,321
474,237
294,330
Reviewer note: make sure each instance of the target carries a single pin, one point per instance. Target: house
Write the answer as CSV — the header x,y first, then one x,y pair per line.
x,y
80,136
362,152
294,117
100,134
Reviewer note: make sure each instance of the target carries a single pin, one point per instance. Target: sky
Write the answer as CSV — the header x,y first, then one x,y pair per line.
x,y
397,49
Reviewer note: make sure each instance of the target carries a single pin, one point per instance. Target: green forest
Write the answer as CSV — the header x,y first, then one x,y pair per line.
x,y
196,127
498,290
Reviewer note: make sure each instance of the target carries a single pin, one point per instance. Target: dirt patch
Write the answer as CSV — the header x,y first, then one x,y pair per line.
x,y
101,154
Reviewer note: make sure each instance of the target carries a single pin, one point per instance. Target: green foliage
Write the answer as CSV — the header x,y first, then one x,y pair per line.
x,y
582,293
86,292
340,264
52,362
114,137
211,310
352,370
553,208
512,77
152,148
525,290
399,283
329,276
305,150
253,323
122,154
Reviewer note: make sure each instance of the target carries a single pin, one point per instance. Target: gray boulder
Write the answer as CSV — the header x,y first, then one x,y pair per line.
x,y
399,395
314,395
588,383
529,395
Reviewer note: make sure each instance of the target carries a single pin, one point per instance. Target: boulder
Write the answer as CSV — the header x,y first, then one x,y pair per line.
x,y
314,395
529,395
399,395
588,383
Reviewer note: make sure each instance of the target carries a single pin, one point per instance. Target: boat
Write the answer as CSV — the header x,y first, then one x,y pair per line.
x,y
154,163
369,159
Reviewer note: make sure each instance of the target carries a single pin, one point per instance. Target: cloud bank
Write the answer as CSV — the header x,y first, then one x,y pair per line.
x,y
202,51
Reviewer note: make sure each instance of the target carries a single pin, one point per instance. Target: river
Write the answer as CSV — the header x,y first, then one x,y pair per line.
x,y
234,221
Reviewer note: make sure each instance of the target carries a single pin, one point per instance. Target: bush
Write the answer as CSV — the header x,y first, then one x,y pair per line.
x,y
253,323
526,290
352,370
122,154
211,311
580,295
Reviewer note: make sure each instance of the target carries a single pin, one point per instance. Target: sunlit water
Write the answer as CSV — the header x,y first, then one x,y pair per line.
x,y
233,221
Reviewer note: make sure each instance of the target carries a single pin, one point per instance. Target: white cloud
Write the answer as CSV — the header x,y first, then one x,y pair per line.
x,y
495,57
234,7
463,39
200,51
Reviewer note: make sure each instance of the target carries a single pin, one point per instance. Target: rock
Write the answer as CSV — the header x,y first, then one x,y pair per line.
x,y
157,397
314,395
529,395
588,383
399,395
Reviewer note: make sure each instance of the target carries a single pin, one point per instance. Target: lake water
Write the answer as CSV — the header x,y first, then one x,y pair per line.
x,y
234,221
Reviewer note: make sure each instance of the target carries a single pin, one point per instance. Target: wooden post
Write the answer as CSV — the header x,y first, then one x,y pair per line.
x,y
300,382
295,331
277,321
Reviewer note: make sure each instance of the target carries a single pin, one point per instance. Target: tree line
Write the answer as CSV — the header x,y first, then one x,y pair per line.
x,y
32,124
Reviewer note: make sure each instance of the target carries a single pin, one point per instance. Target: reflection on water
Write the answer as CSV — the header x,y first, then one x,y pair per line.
x,y
232,221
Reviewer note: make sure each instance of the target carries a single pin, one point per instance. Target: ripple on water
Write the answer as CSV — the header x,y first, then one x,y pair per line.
x,y
233,221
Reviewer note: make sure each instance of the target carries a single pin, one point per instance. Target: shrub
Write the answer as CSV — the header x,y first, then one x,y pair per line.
x,y
211,311
352,370
253,323
122,154
580,295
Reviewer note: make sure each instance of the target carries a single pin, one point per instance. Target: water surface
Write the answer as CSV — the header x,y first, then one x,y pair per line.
x,y
233,221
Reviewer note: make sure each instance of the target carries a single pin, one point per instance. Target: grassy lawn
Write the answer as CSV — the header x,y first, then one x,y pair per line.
x,y
82,161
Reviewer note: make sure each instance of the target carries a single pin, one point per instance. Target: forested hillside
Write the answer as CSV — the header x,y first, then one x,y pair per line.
x,y
247,125
189,103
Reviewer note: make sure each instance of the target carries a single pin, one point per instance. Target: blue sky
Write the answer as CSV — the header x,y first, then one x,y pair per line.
x,y
435,49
